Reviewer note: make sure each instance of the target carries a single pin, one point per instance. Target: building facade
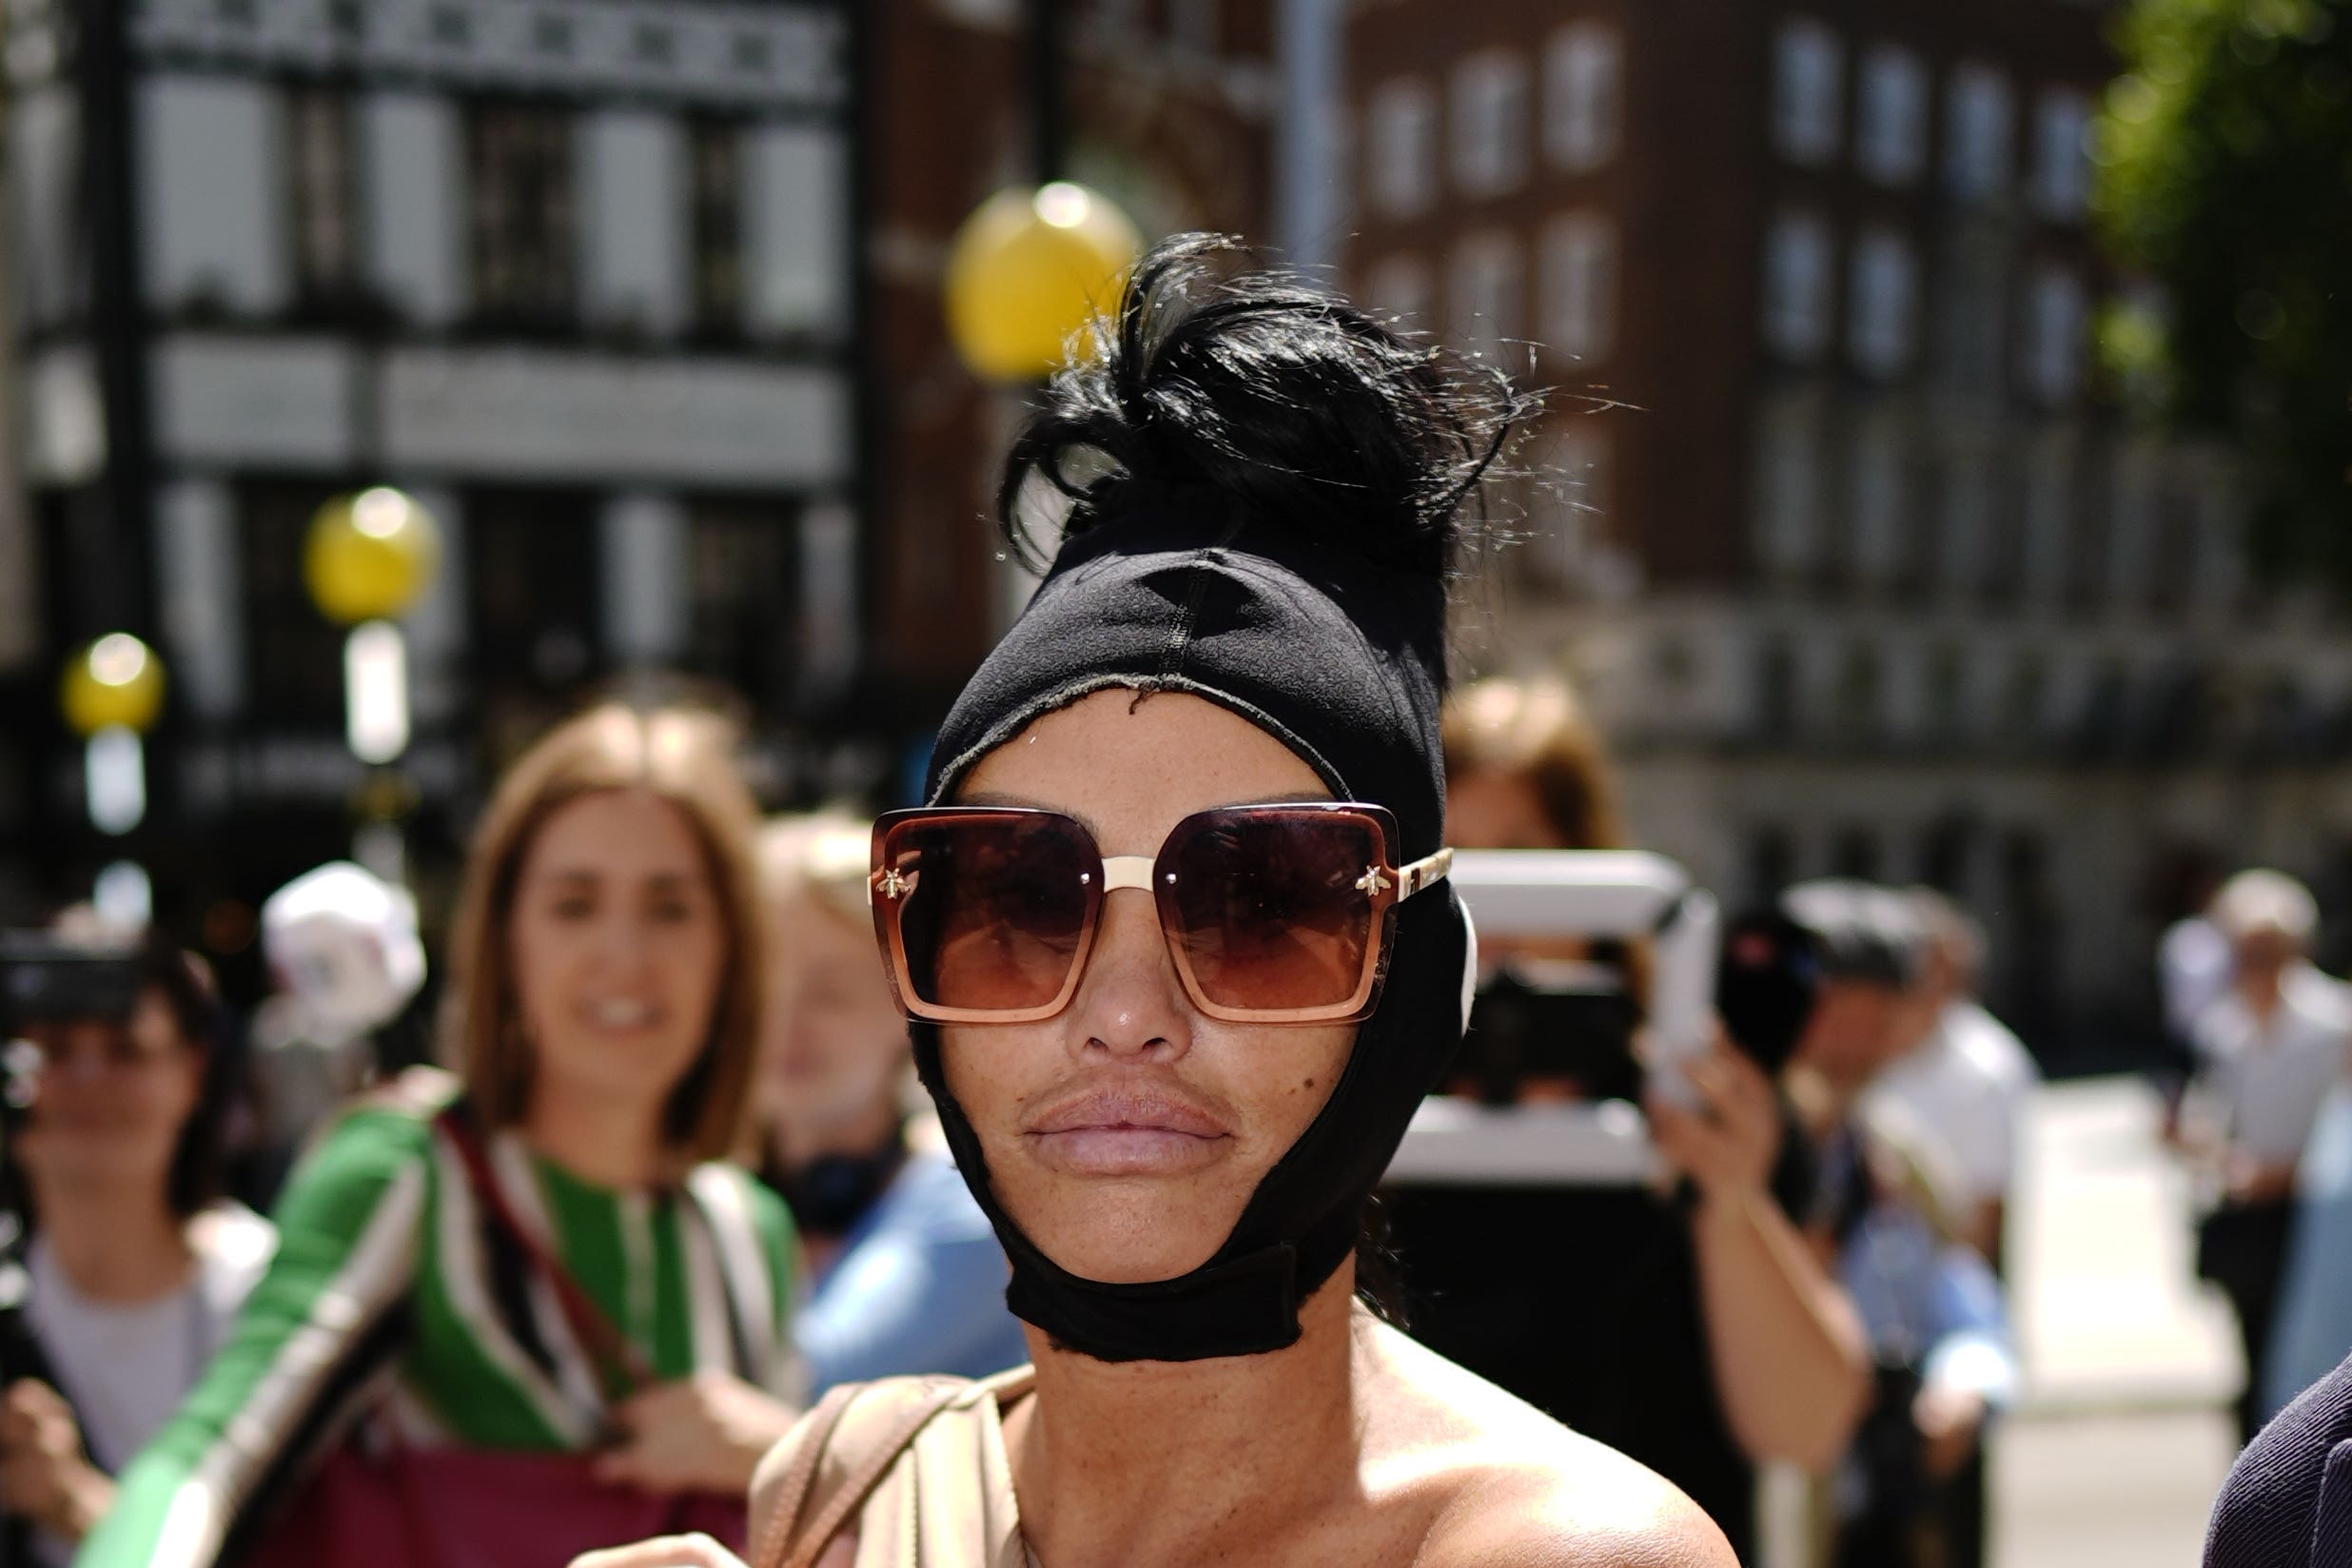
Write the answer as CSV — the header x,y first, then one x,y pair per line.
x,y
578,274
640,298
1833,517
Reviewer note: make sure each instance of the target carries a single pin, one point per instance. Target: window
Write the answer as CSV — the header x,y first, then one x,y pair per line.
x,y
325,254
518,165
535,575
1401,149
1965,530
1892,132
1402,286
2025,696
2049,513
1772,863
1797,252
1977,143
2133,515
1972,274
1942,703
715,169
740,570
1776,710
1582,99
1485,283
2061,160
1808,67
1875,501
1579,287
2055,312
1854,850
1789,500
294,655
1861,697
1490,123
1883,316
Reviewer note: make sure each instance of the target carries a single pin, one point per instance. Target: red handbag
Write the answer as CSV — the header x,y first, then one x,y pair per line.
x,y
484,1508
475,1508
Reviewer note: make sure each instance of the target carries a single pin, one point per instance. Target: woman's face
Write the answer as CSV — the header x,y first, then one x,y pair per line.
x,y
1497,809
837,1041
112,1100
1126,1135
618,947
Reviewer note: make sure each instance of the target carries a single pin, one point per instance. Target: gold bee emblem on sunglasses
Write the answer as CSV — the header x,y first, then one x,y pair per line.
x,y
892,885
1374,881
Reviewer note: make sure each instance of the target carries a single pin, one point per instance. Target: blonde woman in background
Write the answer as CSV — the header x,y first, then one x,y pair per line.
x,y
905,1274
607,971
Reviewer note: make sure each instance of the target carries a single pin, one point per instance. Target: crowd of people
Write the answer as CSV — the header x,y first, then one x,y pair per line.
x,y
848,1191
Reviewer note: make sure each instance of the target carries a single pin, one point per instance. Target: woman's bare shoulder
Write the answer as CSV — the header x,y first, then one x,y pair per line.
x,y
1509,1487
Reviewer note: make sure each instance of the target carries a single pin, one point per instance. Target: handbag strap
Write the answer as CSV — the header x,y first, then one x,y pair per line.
x,y
620,1366
798,1481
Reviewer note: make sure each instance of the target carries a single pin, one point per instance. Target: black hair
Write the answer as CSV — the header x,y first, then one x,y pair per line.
x,y
183,984
186,986
1302,406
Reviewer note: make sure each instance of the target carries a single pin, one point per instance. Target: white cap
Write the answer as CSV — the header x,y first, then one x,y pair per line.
x,y
342,944
2265,900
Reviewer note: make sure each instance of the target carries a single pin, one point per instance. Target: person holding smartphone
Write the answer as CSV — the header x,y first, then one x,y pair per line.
x,y
1721,1340
134,1266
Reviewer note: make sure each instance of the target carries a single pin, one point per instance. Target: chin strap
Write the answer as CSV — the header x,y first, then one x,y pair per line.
x,y
1241,1307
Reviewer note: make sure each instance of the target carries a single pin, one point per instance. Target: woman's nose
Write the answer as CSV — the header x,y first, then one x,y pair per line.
x,y
624,939
1130,1001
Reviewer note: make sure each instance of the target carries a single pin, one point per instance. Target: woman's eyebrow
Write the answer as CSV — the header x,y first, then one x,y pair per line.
x,y
994,797
591,876
997,797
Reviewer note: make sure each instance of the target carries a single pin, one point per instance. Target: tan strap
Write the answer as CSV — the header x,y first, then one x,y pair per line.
x,y
792,1493
799,1479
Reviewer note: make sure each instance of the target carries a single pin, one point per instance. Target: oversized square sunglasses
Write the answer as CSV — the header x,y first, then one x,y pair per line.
x,y
1273,914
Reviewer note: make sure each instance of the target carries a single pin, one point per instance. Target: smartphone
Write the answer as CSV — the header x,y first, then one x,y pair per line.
x,y
1602,894
1594,894
46,980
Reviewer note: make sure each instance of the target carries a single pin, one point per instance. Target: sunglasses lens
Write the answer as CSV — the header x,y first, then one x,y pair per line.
x,y
1269,910
992,909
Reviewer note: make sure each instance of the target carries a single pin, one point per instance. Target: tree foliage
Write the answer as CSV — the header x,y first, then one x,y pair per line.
x,y
2225,158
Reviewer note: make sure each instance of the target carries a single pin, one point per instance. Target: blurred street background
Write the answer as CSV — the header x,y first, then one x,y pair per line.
x,y
1885,513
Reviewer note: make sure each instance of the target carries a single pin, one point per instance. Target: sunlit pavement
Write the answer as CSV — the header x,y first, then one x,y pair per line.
x,y
2121,1440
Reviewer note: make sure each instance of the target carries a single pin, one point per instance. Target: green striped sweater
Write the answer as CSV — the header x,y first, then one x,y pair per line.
x,y
390,1289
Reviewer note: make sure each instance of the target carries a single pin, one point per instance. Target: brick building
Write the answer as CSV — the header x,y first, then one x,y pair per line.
x,y
1833,523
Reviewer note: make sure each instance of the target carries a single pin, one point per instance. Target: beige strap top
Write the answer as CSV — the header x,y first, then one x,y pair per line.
x,y
916,1466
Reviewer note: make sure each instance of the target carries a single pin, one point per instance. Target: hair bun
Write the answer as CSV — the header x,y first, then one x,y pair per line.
x,y
1297,404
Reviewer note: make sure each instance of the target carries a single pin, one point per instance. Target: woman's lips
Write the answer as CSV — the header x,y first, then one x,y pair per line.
x,y
1125,1133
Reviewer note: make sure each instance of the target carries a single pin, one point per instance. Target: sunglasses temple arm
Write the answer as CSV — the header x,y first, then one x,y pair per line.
x,y
1431,868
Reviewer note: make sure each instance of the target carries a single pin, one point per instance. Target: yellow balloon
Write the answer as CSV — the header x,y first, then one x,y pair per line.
x,y
371,555
116,680
1027,271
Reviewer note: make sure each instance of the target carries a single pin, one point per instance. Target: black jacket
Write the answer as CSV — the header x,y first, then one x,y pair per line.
x,y
2288,1503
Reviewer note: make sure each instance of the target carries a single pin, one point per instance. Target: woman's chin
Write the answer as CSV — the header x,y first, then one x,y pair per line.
x,y
1125,1248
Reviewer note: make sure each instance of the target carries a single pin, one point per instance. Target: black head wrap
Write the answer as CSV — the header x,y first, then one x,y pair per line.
x,y
1175,589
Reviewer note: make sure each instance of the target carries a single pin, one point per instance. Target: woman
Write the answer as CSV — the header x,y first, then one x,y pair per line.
x,y
904,1273
135,1266
607,1011
1173,1107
